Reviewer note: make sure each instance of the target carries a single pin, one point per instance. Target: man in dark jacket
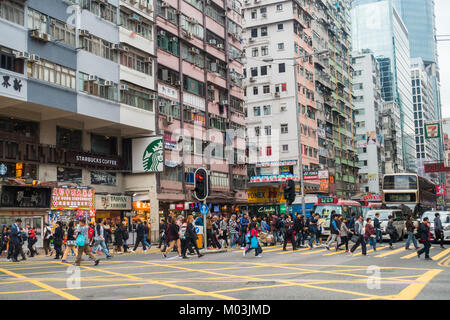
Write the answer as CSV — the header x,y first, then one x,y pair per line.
x,y
15,239
377,226
140,234
191,238
244,224
58,237
289,233
298,228
410,229
425,238
438,229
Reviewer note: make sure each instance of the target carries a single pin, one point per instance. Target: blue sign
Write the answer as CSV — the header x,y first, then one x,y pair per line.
x,y
197,229
3,169
204,209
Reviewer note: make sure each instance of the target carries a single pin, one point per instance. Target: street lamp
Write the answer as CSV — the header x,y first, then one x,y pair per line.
x,y
300,156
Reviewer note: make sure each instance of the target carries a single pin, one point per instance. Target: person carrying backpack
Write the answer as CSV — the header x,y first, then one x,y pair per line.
x,y
58,237
425,238
99,238
82,242
32,239
251,239
335,231
47,238
392,232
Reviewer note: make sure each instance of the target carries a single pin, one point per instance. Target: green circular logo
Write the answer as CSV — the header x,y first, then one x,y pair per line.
x,y
153,156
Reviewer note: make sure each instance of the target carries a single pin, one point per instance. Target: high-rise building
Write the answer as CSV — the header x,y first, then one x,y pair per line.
x,y
200,97
369,120
76,88
373,23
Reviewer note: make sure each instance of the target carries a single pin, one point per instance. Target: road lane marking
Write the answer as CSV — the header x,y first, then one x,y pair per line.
x,y
369,251
313,251
441,254
41,284
292,251
413,290
390,253
411,255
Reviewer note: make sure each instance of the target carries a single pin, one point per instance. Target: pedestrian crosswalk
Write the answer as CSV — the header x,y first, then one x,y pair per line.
x,y
382,251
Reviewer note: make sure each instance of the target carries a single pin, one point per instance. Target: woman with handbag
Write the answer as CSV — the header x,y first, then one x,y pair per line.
x,y
82,241
369,234
252,241
173,237
70,243
392,231
345,232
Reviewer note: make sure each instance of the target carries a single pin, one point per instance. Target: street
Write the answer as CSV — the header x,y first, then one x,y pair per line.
x,y
280,275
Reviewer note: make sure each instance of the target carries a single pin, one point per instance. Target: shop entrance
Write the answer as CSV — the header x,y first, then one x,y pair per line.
x,y
34,221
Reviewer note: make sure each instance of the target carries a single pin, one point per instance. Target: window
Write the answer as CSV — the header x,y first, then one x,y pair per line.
x,y
264,70
9,62
195,28
281,46
219,179
255,52
169,13
255,91
12,11
264,50
279,26
68,138
172,174
103,144
99,47
137,61
37,20
268,151
62,32
285,147
53,73
254,32
137,97
284,128
267,110
98,87
279,7
263,31
254,72
168,43
256,111
257,131
216,13
266,89
254,14
136,23
193,86
103,10
281,67
268,130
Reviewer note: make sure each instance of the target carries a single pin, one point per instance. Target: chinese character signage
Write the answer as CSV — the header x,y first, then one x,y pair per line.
x,y
72,199
13,85
110,202
141,206
310,175
440,189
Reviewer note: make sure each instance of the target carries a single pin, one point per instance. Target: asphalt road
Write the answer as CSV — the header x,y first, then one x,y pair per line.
x,y
304,274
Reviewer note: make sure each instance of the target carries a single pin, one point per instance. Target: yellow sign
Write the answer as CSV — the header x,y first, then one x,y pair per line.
x,y
265,195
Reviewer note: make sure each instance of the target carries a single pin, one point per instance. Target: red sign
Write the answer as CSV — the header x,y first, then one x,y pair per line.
x,y
179,206
435,167
141,206
72,199
372,197
440,190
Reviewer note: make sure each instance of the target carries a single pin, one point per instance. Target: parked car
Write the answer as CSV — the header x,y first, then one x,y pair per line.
x,y
399,221
445,219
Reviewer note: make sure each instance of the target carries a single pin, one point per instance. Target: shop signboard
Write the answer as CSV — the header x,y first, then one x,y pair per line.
x,y
373,197
274,178
94,160
148,154
266,210
141,206
323,174
111,202
13,85
169,141
310,175
73,198
264,195
276,163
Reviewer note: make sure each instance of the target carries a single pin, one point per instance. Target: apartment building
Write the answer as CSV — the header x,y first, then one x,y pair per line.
x,y
369,120
77,86
200,97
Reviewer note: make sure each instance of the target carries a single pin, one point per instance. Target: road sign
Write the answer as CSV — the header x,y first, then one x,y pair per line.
x,y
204,209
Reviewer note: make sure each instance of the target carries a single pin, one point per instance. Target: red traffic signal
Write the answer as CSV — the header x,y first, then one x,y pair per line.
x,y
201,184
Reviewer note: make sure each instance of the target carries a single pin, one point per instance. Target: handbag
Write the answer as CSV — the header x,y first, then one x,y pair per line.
x,y
254,243
354,238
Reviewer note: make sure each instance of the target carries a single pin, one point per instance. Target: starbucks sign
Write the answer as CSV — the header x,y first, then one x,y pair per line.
x,y
148,154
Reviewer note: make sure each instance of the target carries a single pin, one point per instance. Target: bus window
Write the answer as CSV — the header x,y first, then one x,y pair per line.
x,y
359,211
346,211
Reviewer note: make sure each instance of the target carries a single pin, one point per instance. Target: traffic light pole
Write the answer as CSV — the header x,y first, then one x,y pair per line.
x,y
205,242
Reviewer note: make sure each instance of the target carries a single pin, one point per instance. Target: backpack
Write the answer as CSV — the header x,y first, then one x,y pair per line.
x,y
279,223
125,234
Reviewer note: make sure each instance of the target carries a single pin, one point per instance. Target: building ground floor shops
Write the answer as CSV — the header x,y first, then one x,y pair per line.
x,y
33,217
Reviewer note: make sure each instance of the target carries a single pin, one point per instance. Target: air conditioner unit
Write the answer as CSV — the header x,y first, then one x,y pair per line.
x,y
165,4
257,1
148,60
36,34
191,20
162,33
178,83
252,79
84,33
136,17
212,41
142,4
211,87
21,55
92,78
169,119
153,96
34,58
174,103
108,83
149,8
251,40
173,39
246,1
124,87
133,1
283,108
194,50
121,47
188,35
220,46
46,37
264,15
277,94
225,102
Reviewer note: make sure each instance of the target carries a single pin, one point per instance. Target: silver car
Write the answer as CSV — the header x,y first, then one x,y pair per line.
x,y
399,221
445,219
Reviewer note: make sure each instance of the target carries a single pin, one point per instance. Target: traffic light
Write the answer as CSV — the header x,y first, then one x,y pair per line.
x,y
289,192
201,184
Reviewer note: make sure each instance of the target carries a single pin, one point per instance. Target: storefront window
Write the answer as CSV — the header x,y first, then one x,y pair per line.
x,y
68,138
103,178
103,144
69,175
19,127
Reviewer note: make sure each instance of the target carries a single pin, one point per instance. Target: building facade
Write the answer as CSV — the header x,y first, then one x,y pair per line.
x,y
369,121
77,87
200,101
373,23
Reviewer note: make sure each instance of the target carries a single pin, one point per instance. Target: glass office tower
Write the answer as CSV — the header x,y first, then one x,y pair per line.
x,y
378,26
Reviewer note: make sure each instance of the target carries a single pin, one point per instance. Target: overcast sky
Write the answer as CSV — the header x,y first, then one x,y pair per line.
x,y
443,28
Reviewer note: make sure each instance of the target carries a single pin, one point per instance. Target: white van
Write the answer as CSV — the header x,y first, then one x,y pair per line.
x,y
399,221
445,219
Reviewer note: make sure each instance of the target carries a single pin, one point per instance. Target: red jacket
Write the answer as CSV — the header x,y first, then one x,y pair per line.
x,y
370,230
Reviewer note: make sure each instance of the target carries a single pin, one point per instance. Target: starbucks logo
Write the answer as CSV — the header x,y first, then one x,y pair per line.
x,y
153,156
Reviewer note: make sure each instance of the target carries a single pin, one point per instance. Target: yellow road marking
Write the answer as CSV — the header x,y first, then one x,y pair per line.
x,y
313,251
390,253
24,291
161,296
411,291
441,254
369,251
411,255
42,285
291,251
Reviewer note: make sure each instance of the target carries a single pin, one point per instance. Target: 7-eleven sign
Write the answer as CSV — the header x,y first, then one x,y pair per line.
x,y
432,130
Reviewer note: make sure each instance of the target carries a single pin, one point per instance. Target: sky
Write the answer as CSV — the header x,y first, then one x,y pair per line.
x,y
442,12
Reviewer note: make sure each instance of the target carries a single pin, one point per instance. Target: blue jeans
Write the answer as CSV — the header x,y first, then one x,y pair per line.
x,y
379,235
145,240
233,239
102,245
313,237
373,243
408,241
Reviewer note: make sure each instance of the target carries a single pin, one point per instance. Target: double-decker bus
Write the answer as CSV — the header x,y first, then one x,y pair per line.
x,y
411,190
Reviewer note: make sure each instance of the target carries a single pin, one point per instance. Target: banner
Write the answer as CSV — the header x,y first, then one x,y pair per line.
x,y
432,130
111,202
371,137
440,189
148,154
72,198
